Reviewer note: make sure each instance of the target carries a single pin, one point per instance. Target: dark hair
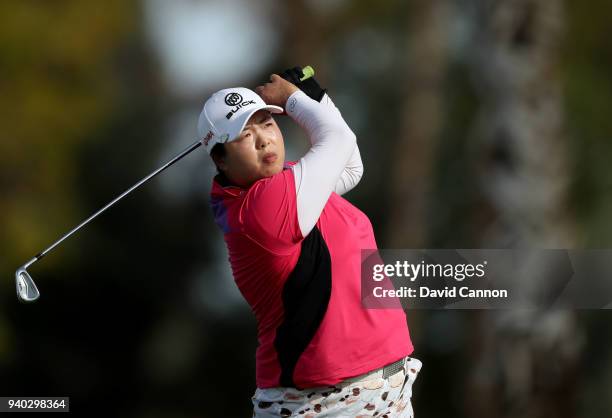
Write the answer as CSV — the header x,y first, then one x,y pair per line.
x,y
216,153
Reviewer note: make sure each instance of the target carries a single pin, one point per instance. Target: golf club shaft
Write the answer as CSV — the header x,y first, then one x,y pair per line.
x,y
308,72
118,198
26,288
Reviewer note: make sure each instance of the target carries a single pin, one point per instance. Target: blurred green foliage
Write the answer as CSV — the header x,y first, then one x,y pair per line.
x,y
586,67
58,85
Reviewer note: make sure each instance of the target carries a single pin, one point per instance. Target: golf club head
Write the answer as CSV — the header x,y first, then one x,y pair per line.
x,y
26,289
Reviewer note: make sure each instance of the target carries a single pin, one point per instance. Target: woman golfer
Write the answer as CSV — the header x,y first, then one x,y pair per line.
x,y
294,246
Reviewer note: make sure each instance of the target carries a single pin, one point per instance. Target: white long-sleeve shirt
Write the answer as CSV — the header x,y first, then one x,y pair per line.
x,y
332,164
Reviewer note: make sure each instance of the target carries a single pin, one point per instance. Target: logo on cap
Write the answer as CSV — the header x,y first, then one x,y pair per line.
x,y
232,99
207,138
235,99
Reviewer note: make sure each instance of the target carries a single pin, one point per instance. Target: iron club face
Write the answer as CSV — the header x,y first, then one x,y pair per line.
x,y
26,289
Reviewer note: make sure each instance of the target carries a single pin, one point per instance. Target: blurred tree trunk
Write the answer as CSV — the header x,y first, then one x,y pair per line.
x,y
526,360
303,31
420,118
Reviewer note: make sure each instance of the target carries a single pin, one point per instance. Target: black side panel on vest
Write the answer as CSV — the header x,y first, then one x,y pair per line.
x,y
305,299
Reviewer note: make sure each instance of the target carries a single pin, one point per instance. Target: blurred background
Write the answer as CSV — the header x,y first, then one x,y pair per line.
x,y
481,123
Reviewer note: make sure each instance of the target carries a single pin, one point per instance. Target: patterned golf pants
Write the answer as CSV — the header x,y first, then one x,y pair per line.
x,y
368,395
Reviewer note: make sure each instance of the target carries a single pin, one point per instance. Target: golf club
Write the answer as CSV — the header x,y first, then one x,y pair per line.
x,y
27,290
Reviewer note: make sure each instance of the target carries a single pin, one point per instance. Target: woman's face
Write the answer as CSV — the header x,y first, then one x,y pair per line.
x,y
258,152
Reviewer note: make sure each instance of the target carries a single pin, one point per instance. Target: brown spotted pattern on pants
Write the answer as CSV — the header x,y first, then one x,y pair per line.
x,y
368,395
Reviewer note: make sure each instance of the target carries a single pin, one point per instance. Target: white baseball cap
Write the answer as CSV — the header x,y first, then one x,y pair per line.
x,y
226,113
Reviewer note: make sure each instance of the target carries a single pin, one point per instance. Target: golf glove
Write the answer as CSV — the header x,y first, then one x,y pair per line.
x,y
310,86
